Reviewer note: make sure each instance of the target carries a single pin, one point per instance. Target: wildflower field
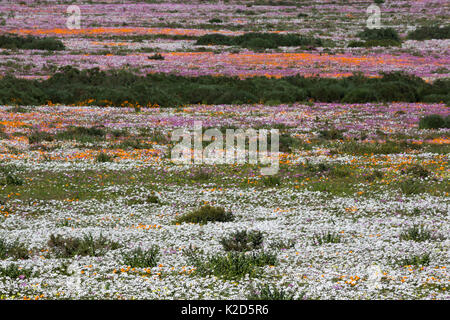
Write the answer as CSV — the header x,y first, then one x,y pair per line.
x,y
92,206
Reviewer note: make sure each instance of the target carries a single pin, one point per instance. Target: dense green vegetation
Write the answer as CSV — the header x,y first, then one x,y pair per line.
x,y
113,88
259,40
384,37
8,41
432,32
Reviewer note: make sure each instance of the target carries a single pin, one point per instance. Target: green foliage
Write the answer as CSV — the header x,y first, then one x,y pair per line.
x,y
266,292
9,41
271,181
139,258
156,56
331,134
411,186
326,237
70,86
11,175
379,34
231,266
82,134
39,136
103,157
434,121
416,260
206,214
430,32
16,250
416,233
86,246
257,41
374,43
13,271
243,241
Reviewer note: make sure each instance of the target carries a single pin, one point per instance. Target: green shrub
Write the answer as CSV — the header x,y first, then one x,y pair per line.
x,y
8,41
430,32
139,258
15,250
271,181
434,121
156,56
331,134
86,246
39,136
326,237
411,186
374,43
11,175
103,157
243,241
13,271
416,233
82,134
416,260
266,292
231,266
206,214
379,34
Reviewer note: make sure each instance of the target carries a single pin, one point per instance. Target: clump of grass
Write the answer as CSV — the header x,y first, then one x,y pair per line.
x,y
206,214
416,260
242,241
411,186
103,157
156,56
16,250
430,32
233,265
331,134
416,233
13,271
201,174
86,246
139,258
152,198
9,41
39,136
266,292
434,121
82,134
10,175
271,181
283,244
379,34
417,171
326,237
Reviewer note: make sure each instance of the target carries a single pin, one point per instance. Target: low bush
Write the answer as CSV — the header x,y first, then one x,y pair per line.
x,y
139,258
434,121
242,241
11,175
233,265
15,250
379,34
266,292
326,237
206,214
430,32
39,136
86,246
416,233
8,41
416,260
13,271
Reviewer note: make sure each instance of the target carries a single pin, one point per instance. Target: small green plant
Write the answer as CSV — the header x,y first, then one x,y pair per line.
x,y
434,121
13,271
326,237
103,157
267,292
416,233
156,56
86,246
379,34
16,250
331,134
242,241
206,214
39,136
233,265
430,32
9,41
416,260
417,171
271,181
152,198
82,134
10,175
139,258
411,186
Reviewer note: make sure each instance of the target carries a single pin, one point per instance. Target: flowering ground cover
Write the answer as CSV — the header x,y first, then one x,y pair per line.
x,y
93,207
